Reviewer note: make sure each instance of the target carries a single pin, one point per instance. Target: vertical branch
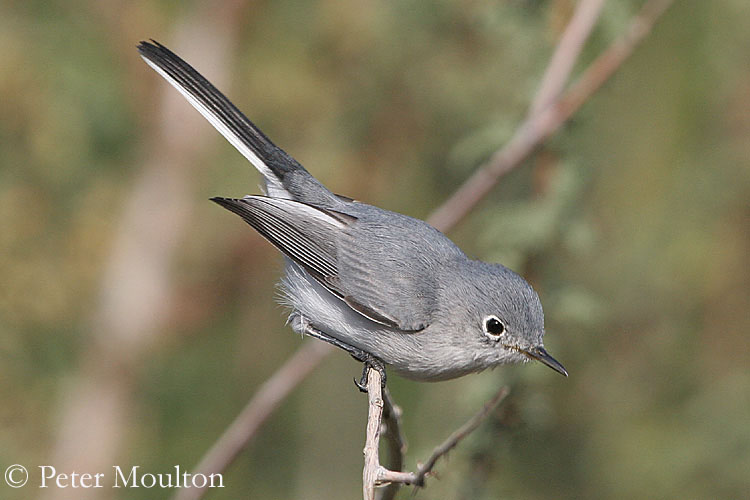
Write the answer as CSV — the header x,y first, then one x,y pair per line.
x,y
372,441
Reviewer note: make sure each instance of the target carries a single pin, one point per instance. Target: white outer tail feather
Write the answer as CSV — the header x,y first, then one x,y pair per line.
x,y
274,188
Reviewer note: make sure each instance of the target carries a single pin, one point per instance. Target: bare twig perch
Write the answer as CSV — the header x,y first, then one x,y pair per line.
x,y
372,442
395,440
375,474
455,438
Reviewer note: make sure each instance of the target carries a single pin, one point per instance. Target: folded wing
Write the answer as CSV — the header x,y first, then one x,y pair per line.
x,y
310,236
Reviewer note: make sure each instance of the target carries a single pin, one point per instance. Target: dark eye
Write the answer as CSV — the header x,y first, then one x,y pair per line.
x,y
493,327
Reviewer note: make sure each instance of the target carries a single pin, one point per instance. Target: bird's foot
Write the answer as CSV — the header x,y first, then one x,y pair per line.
x,y
370,362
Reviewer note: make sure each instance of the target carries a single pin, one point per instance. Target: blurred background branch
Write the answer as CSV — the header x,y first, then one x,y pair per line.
x,y
546,116
260,407
566,54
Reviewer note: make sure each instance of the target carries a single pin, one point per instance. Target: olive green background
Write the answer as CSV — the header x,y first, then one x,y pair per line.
x,y
633,223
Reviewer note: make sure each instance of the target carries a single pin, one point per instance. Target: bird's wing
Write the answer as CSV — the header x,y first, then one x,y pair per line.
x,y
318,240
390,262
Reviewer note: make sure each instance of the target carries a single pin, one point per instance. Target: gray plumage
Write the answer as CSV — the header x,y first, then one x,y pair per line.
x,y
374,281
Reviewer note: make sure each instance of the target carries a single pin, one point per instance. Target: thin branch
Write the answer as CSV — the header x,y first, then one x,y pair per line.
x,y
261,406
460,434
530,134
386,476
604,66
538,127
566,53
395,440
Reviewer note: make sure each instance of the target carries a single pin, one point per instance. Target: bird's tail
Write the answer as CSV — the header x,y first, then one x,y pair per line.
x,y
284,176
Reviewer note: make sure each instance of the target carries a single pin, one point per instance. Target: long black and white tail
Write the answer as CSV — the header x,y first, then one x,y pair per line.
x,y
284,176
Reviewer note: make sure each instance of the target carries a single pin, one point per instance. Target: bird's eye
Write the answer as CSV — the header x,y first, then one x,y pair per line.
x,y
493,327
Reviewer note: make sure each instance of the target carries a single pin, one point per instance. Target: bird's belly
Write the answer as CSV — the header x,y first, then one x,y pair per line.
x,y
411,354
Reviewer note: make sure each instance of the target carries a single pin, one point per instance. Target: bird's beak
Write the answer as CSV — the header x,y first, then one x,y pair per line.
x,y
539,354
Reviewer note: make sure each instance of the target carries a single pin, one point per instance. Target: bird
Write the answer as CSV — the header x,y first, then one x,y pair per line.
x,y
387,288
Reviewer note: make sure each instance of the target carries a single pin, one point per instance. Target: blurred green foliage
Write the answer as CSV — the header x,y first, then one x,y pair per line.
x,y
633,224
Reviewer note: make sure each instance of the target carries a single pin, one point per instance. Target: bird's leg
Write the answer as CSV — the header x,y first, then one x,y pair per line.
x,y
360,355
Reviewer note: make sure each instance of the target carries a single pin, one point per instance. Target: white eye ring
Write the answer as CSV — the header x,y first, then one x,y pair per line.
x,y
493,327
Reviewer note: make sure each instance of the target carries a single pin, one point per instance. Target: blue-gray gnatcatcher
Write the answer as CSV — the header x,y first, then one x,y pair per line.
x,y
387,288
